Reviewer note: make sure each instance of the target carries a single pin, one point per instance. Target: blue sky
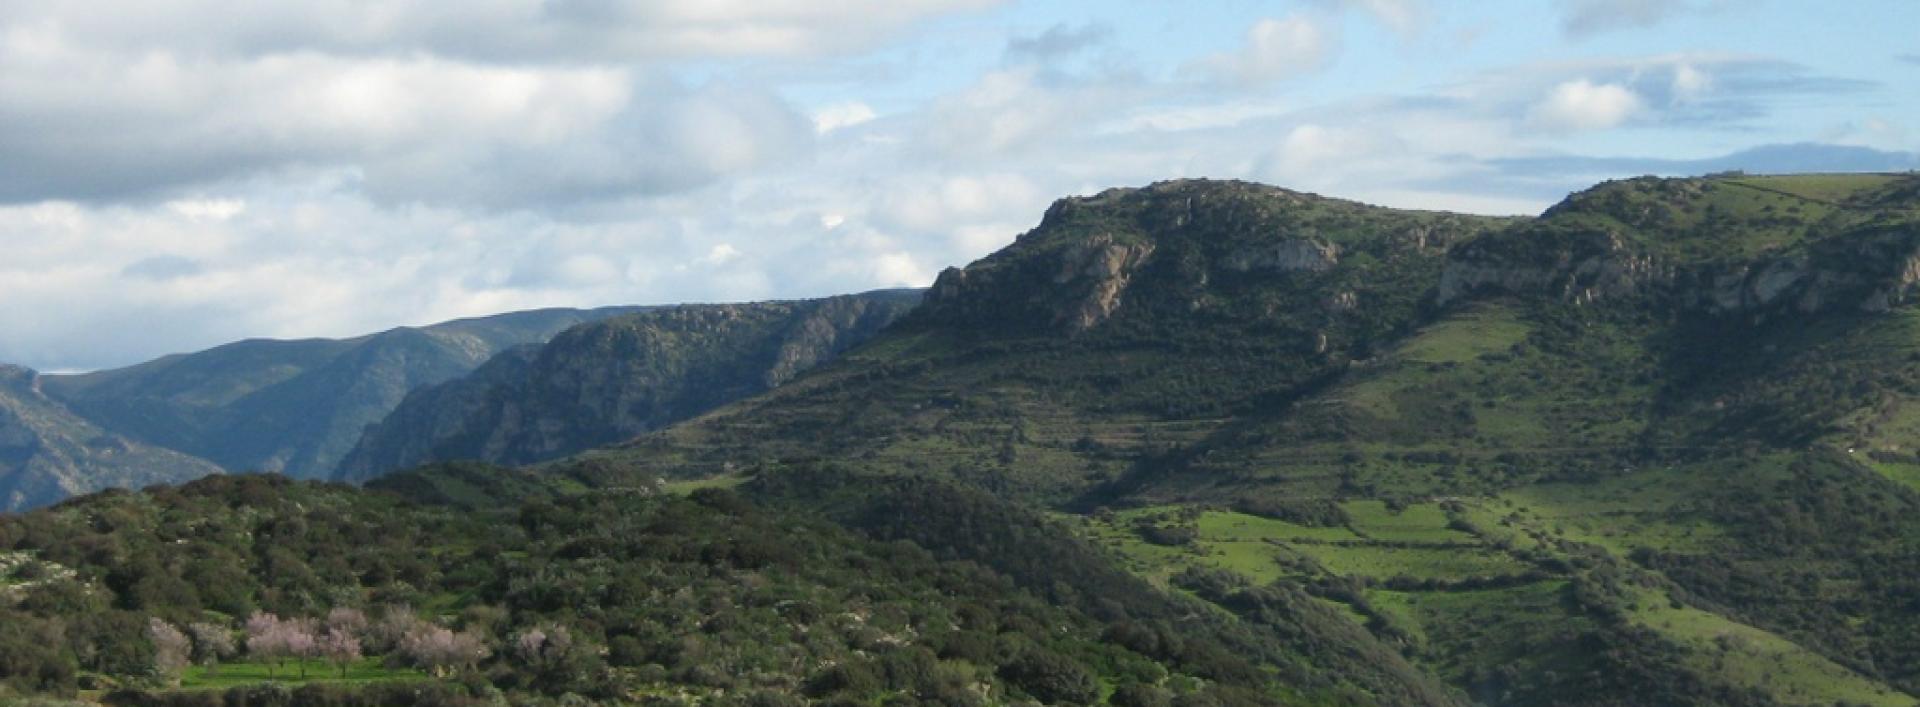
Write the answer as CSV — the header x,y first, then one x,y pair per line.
x,y
188,173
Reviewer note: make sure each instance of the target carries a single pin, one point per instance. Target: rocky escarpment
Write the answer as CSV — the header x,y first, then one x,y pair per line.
x,y
47,453
1672,239
1871,272
1576,266
604,382
1228,249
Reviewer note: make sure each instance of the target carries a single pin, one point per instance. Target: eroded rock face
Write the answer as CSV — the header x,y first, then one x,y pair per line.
x,y
1866,272
1103,270
1080,285
1581,268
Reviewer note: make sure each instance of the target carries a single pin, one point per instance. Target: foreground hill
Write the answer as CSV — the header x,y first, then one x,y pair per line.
x,y
605,382
1665,425
712,599
293,406
47,453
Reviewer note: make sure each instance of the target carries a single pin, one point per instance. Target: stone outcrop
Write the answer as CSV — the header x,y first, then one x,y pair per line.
x,y
1291,255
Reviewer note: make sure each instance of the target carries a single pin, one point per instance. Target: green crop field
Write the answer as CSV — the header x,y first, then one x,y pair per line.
x,y
366,670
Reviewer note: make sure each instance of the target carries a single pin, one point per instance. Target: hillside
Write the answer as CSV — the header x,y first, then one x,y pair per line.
x,y
634,597
1660,430
293,406
607,381
47,453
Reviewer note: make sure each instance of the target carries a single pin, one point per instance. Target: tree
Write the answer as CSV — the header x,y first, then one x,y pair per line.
x,y
352,622
273,640
170,649
440,651
266,642
300,642
340,648
211,644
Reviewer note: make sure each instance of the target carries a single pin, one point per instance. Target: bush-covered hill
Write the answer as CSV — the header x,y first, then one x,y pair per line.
x,y
709,597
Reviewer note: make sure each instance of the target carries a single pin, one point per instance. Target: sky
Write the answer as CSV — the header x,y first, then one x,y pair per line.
x,y
176,175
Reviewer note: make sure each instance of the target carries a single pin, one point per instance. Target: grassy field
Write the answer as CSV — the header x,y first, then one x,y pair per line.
x,y
1466,336
1756,658
1422,523
366,671
1821,187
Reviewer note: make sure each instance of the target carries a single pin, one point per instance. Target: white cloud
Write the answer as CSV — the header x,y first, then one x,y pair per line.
x,y
900,270
515,31
1404,17
1584,105
721,254
841,115
1690,84
1275,49
208,209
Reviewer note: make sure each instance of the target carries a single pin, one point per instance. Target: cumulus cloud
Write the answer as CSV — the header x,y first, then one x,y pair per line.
x,y
1274,49
1584,105
492,31
76,124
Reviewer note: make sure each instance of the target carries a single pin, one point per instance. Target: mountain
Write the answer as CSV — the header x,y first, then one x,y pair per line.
x,y
1653,446
293,406
607,381
47,453
1195,443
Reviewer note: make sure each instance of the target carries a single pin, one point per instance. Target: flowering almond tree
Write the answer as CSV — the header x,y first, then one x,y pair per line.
x,y
171,649
340,648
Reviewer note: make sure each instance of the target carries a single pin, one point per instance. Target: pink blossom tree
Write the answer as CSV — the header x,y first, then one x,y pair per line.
x,y
273,640
340,648
171,649
350,621
266,640
441,651
301,642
